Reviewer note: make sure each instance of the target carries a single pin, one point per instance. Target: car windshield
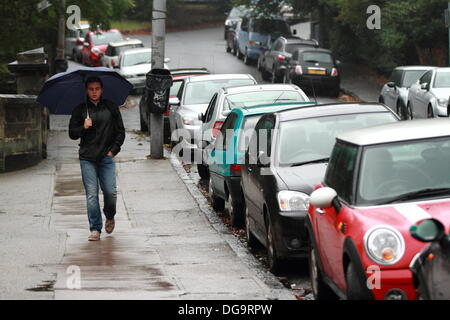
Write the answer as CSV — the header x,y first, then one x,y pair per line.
x,y
308,140
134,59
411,76
250,99
269,26
175,88
322,57
105,38
404,171
201,92
442,80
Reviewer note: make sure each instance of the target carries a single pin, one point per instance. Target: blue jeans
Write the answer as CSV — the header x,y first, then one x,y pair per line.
x,y
92,173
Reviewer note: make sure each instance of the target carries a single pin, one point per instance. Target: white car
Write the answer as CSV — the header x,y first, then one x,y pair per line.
x,y
134,64
428,97
394,93
114,49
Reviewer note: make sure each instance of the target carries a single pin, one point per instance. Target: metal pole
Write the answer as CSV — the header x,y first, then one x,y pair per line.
x,y
158,54
60,51
448,25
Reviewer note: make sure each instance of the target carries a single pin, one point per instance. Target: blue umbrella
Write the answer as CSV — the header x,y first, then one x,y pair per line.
x,y
64,91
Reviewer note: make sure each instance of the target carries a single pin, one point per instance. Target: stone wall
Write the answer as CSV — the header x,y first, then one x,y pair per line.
x,y
23,132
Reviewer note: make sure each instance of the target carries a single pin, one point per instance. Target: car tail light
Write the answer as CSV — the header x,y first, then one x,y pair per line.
x,y
281,57
216,128
334,72
113,63
251,43
167,113
235,169
298,70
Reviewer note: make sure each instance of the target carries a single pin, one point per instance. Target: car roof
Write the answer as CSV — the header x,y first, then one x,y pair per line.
x,y
323,110
414,68
189,71
263,109
219,77
444,69
400,131
136,50
309,49
259,87
125,42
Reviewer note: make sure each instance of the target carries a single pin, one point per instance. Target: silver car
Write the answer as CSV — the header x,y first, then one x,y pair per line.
x,y
227,99
394,93
114,49
74,42
134,64
429,96
193,100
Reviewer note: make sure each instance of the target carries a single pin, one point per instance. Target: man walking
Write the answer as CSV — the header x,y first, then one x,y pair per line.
x,y
99,124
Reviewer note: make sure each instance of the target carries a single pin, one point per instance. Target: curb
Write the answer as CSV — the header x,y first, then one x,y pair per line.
x,y
277,289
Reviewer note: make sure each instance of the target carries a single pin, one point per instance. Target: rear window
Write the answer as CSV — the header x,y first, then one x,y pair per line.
x,y
174,90
411,77
270,26
322,57
105,38
247,131
134,59
442,80
118,50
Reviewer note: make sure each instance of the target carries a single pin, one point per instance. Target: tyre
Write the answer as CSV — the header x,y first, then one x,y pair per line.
x,y
264,74
217,203
258,65
409,113
272,256
235,211
321,290
251,239
275,77
228,48
203,171
430,113
401,110
285,78
381,100
247,60
356,288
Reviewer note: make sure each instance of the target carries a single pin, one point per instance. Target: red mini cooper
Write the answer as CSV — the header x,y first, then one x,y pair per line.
x,y
379,181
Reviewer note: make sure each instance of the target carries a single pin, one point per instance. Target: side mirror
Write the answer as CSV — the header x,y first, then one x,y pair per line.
x,y
428,230
425,86
391,84
174,101
167,60
323,198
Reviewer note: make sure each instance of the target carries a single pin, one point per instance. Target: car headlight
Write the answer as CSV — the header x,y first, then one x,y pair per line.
x,y
293,201
384,245
189,122
128,76
442,102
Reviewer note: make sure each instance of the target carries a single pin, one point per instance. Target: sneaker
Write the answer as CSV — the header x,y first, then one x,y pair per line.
x,y
109,226
95,236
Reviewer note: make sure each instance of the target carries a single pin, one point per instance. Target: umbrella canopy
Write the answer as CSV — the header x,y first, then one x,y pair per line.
x,y
64,91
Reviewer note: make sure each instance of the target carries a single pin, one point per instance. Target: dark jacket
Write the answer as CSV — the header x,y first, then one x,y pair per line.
x,y
106,134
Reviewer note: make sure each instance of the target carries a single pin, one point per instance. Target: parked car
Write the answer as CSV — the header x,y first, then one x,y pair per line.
x,y
193,99
233,18
394,93
178,75
253,34
226,99
428,97
379,181
134,64
314,69
114,49
95,44
227,155
274,61
75,40
279,175
431,267
231,38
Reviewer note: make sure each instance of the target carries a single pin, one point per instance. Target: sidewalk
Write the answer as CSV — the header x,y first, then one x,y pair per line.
x,y
164,245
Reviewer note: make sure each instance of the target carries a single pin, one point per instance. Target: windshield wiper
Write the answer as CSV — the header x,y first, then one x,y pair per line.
x,y
313,61
323,160
419,194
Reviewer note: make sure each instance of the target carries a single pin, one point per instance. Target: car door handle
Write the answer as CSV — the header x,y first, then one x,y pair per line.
x,y
320,211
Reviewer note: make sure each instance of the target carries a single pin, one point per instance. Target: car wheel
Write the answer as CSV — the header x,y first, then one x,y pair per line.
x,y
430,113
264,74
258,65
272,256
217,203
247,60
251,240
356,289
203,171
275,78
235,211
320,289
285,78
228,48
409,113
381,100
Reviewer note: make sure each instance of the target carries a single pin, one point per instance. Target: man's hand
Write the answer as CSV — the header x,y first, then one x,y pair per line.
x,y
110,154
87,123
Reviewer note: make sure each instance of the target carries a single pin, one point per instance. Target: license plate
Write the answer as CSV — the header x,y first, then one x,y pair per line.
x,y
319,72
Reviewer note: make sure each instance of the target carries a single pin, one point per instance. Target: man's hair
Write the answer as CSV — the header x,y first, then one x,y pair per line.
x,y
94,80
